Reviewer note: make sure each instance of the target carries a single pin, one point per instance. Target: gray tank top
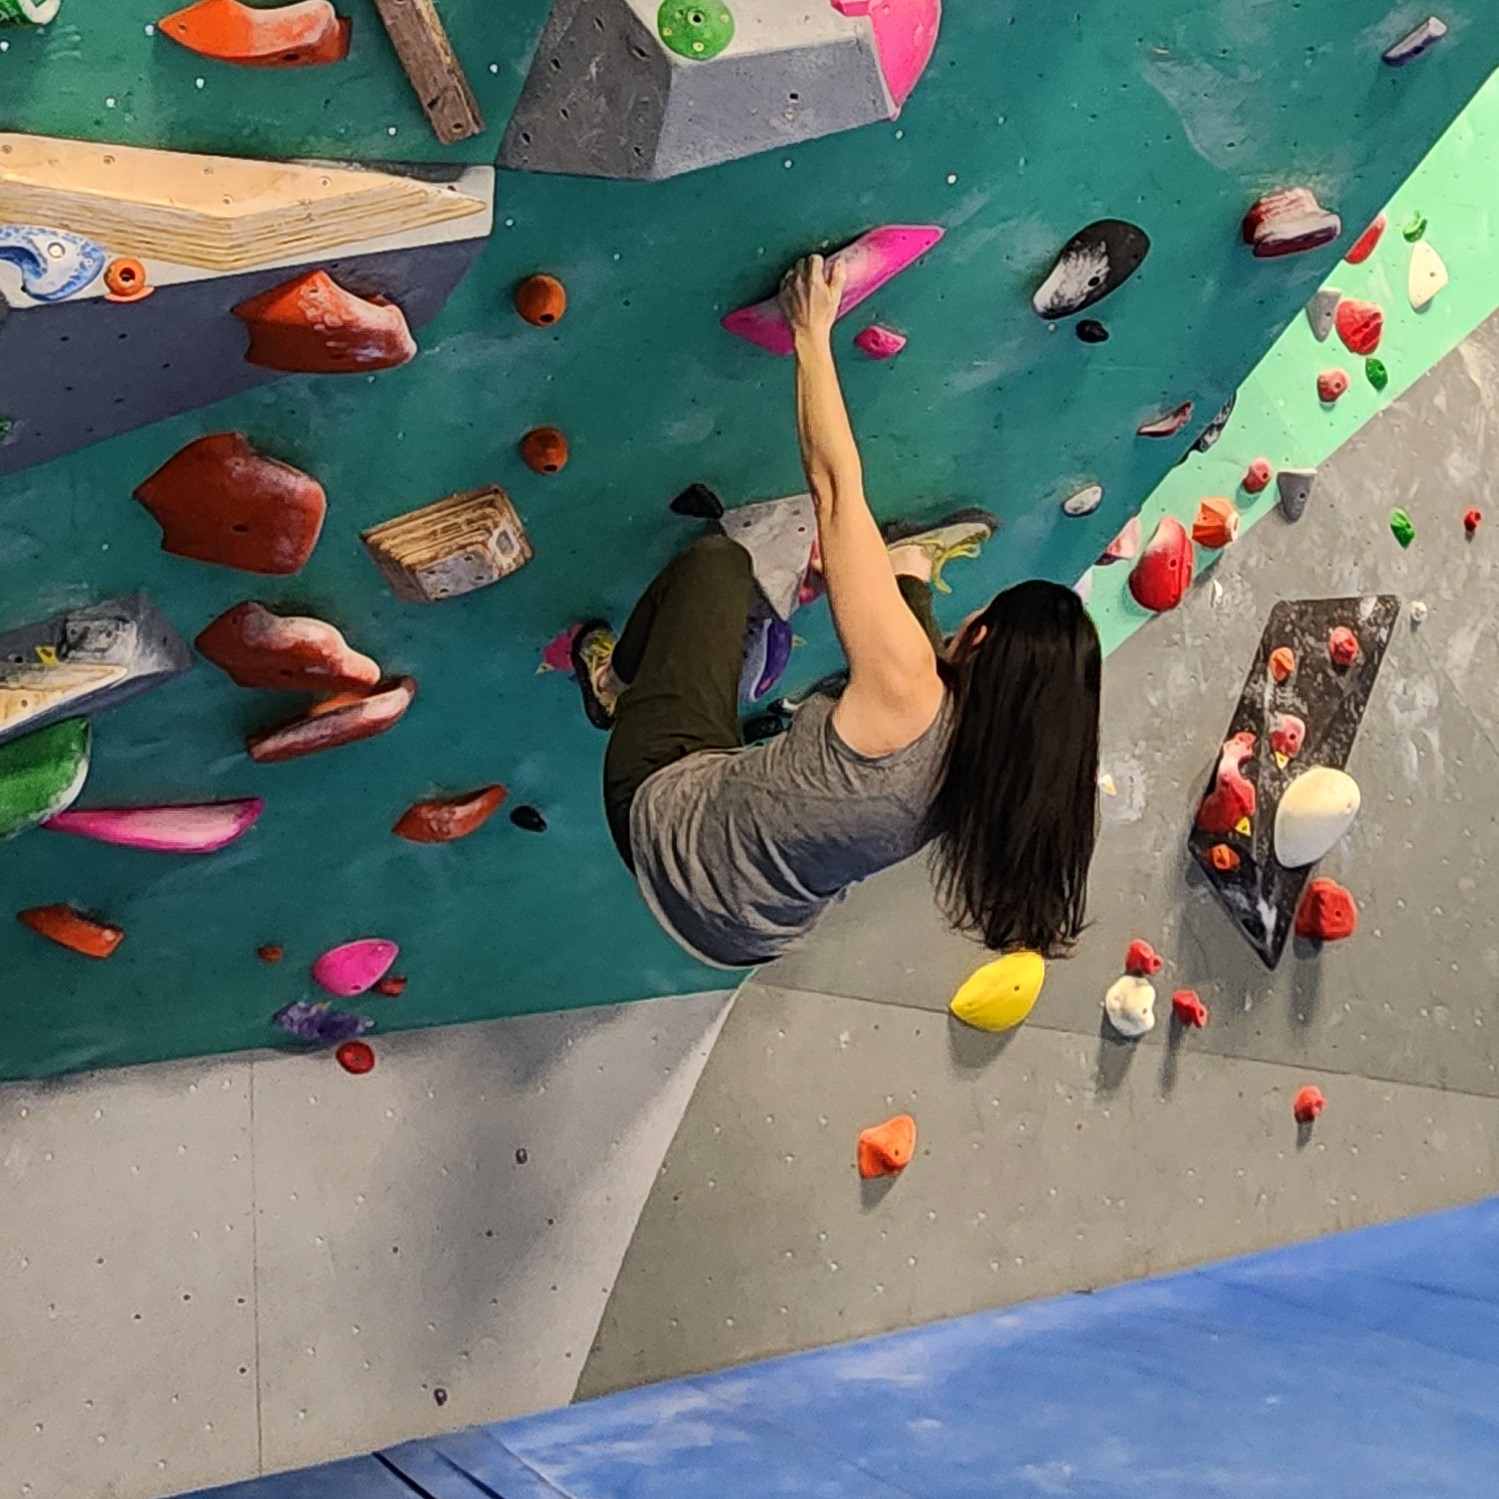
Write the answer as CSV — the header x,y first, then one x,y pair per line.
x,y
739,852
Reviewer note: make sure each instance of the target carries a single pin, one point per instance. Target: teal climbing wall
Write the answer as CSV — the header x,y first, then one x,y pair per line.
x,y
1028,124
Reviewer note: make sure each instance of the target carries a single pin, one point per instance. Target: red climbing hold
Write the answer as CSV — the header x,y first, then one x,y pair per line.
x,y
284,653
1189,1008
1472,520
342,719
541,300
1164,571
72,929
1327,912
1342,646
1330,385
1282,663
270,952
886,1149
1286,734
125,280
357,1057
1307,1104
1360,325
1257,476
1232,798
1142,960
544,449
1223,858
1217,523
445,819
1288,222
1363,247
301,34
392,986
312,326
218,500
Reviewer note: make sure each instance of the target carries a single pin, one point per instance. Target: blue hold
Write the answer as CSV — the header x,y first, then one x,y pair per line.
x,y
53,263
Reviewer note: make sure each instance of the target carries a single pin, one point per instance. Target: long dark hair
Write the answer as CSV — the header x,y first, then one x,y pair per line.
x,y
1014,818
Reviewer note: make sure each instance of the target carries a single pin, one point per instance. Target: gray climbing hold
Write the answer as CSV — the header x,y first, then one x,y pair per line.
x,y
1322,310
1419,41
1295,485
778,535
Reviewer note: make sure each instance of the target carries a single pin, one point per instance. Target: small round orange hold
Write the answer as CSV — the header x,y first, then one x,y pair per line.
x,y
544,449
125,280
1223,858
270,953
541,300
1282,663
357,1057
392,986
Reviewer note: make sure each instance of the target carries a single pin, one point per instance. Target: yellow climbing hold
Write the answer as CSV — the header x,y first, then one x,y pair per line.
x,y
1001,994
1243,825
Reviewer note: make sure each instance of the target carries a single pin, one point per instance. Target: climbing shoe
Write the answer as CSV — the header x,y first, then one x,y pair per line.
x,y
961,534
592,653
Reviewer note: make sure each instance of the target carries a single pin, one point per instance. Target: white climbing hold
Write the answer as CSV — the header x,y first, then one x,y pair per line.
x,y
1216,592
1417,42
1428,275
1083,501
1419,611
1315,810
1106,784
1130,1006
1322,310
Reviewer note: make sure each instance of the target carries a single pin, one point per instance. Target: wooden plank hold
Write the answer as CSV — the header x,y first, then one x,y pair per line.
x,y
464,542
421,43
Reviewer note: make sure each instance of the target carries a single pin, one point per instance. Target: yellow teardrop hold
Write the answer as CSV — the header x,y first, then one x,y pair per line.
x,y
1000,994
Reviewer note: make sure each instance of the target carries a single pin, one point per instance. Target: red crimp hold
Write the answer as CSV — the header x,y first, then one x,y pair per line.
x,y
1189,1009
1330,385
1307,1104
1342,646
1363,247
886,1149
1232,798
1327,912
1360,325
1257,476
1287,733
1472,520
1142,960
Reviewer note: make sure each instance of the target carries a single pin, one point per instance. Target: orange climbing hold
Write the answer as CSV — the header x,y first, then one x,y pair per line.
x,y
1307,1104
270,952
1342,646
125,281
300,35
544,449
1223,858
1142,960
312,326
1327,912
446,819
1217,523
69,928
1282,663
343,719
1189,1009
286,653
392,986
541,300
886,1149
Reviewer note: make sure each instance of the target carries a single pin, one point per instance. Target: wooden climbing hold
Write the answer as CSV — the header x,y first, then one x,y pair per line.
x,y
1402,527
1282,663
392,986
1232,798
1314,811
284,652
342,719
1330,385
357,1057
218,500
1142,960
1472,520
452,547
1342,646
301,34
1097,260
1307,1104
1189,1010
1360,325
72,929
270,952
544,449
541,300
1295,488
879,343
42,773
312,326
1363,247
1223,858
1327,912
1287,735
1217,523
447,819
886,1149
1427,275
125,280
190,828
1164,572
1415,43
431,65
1169,424
353,967
528,819
1321,310
1001,994
1288,223
1130,1006
1257,476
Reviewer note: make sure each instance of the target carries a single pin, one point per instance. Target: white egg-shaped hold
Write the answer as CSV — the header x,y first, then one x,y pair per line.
x,y
1315,810
1130,1006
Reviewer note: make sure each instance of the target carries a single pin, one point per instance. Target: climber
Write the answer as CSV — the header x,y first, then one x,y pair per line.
x,y
984,745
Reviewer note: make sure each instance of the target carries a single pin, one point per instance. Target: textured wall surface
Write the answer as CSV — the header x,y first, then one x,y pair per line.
x,y
1024,129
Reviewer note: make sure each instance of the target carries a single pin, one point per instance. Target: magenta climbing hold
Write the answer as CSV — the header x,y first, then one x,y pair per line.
x,y
1232,799
870,262
193,828
1330,385
879,343
1287,733
1164,572
1168,425
905,32
1288,223
355,966
1363,247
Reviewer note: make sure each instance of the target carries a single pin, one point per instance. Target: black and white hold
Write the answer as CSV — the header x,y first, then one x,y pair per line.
x,y
1094,262
1214,429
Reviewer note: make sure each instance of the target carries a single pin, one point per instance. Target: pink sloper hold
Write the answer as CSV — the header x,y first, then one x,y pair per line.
x,y
905,32
356,966
880,343
193,828
872,260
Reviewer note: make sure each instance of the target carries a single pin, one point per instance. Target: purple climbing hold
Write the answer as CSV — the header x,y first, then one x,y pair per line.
x,y
767,652
1094,262
1418,42
320,1022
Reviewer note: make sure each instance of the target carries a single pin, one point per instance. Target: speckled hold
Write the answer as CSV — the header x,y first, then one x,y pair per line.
x,y
1342,646
1307,1104
1330,385
1130,1006
1124,546
354,967
320,1022
1163,573
1289,222
1257,476
1097,260
1232,798
1168,425
879,343
1287,734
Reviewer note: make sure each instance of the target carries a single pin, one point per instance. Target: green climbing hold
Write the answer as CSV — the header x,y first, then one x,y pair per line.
x,y
1403,527
28,12
1378,375
6,423
41,773
1415,227
695,29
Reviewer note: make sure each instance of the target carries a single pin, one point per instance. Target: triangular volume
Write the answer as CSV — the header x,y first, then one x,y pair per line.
x,y
1257,891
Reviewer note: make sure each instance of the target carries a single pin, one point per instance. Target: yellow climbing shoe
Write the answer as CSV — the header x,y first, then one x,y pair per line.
x,y
592,655
959,535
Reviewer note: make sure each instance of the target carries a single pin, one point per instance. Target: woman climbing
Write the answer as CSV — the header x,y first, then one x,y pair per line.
x,y
985,745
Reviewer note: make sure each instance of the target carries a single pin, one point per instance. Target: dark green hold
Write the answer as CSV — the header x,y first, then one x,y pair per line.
x,y
41,773
1378,375
695,29
1415,228
1402,527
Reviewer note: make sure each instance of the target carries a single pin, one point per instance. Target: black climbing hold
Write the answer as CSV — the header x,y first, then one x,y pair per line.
x,y
529,818
521,1157
440,1395
1214,429
1094,262
700,501
1092,332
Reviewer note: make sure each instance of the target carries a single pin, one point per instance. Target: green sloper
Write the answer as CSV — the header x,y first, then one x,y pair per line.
x,y
42,773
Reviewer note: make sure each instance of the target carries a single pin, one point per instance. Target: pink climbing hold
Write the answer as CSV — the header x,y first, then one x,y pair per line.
x,y
557,653
1363,247
872,260
880,343
1342,646
1142,960
1189,1009
194,828
1330,385
1287,734
1232,798
1124,546
355,967
905,32
1256,476
1164,572
1168,425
